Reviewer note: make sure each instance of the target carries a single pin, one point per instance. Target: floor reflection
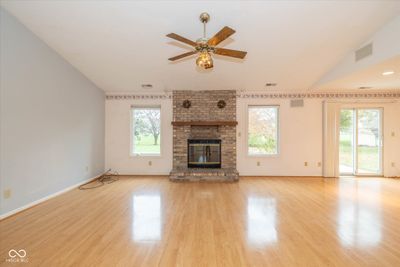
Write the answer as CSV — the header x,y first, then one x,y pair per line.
x,y
146,218
359,212
261,220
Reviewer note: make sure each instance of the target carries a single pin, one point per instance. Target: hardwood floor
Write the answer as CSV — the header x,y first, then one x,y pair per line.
x,y
256,222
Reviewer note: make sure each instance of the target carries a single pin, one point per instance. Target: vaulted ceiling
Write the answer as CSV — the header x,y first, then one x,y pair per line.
x,y
120,45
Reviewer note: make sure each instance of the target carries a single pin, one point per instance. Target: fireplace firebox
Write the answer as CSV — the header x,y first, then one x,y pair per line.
x,y
204,153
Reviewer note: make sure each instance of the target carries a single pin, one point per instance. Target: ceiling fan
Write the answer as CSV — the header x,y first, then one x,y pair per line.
x,y
204,46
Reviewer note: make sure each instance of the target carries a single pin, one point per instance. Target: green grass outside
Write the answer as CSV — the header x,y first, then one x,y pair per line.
x,y
261,144
145,145
368,156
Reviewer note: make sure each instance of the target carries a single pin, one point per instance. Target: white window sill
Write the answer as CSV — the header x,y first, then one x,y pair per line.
x,y
145,155
263,155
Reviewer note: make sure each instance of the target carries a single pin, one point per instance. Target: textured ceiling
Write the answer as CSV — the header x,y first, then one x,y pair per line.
x,y
120,45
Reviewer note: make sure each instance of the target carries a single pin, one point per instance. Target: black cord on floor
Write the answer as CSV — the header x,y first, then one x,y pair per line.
x,y
106,178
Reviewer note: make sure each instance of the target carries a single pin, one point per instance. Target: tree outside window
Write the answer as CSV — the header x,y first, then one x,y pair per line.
x,y
263,130
146,131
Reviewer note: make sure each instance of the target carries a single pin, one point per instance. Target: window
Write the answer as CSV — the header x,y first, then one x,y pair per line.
x,y
146,131
262,130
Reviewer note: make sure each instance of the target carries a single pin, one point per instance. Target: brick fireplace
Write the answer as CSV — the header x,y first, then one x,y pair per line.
x,y
204,136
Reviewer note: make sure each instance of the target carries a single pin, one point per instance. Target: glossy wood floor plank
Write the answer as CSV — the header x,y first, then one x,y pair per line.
x,y
256,222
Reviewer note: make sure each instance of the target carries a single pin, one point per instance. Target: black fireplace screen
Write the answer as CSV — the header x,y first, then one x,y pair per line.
x,y
204,153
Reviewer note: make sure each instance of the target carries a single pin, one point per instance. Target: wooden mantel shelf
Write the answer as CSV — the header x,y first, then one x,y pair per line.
x,y
204,123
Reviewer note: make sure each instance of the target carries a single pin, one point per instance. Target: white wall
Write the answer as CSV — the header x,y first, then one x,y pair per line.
x,y
391,125
301,138
52,120
118,140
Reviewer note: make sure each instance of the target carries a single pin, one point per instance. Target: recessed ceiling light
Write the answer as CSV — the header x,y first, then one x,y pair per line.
x,y
147,86
388,72
364,87
271,84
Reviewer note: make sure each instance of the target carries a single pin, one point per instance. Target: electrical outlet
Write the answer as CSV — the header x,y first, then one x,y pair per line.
x,y
319,164
239,134
150,163
393,134
393,164
87,168
258,163
305,163
7,193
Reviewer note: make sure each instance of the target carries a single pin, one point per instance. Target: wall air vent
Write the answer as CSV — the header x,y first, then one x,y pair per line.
x,y
363,52
296,103
147,86
271,84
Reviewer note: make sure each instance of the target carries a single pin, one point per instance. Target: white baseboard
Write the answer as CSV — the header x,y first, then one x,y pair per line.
x,y
27,206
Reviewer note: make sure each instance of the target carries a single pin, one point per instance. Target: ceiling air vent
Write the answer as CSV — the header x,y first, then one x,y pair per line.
x,y
295,103
363,52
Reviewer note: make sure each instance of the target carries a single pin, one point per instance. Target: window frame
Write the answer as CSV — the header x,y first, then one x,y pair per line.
x,y
277,107
132,131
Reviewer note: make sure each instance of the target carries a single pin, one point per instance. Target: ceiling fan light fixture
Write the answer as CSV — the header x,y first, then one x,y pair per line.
x,y
204,60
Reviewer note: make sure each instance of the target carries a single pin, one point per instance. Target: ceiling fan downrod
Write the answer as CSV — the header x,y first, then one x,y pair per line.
x,y
204,18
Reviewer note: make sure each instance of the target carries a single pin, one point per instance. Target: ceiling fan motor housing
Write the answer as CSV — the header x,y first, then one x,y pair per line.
x,y
203,46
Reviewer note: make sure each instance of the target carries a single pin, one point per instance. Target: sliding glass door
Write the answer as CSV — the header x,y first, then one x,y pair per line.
x,y
360,141
369,141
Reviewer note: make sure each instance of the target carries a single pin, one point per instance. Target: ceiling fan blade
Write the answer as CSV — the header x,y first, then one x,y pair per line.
x,y
230,52
220,36
182,55
181,39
